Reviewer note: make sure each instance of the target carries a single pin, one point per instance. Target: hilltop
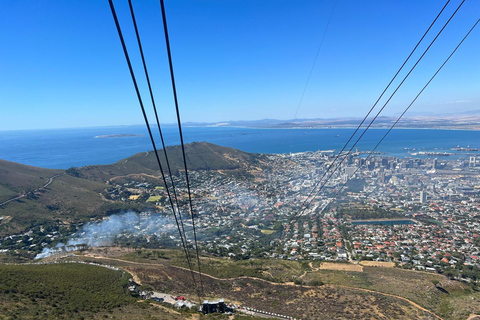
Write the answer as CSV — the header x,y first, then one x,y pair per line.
x,y
77,194
200,156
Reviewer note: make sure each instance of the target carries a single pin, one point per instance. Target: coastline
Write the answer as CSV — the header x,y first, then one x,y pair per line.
x,y
51,148
332,128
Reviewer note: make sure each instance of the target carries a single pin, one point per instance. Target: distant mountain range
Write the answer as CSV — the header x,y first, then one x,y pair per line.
x,y
469,120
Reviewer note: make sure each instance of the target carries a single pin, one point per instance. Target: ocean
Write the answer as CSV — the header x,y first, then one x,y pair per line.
x,y
64,148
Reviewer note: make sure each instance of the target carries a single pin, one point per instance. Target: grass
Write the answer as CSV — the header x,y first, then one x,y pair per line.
x,y
296,301
16,178
66,199
415,286
458,303
271,270
77,291
61,291
153,198
267,231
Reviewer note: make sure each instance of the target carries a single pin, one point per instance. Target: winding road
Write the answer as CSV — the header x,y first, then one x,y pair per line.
x,y
23,195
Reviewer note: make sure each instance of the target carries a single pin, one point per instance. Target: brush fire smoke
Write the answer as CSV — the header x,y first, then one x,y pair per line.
x,y
103,233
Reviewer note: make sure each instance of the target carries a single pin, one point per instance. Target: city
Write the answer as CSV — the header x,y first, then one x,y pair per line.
x,y
419,214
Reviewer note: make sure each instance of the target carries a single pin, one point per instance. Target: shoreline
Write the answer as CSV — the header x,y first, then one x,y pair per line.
x,y
186,125
330,128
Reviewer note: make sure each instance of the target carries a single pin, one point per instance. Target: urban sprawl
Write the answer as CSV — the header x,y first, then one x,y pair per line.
x,y
418,213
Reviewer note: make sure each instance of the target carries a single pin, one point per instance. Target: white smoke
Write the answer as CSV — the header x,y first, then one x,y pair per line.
x,y
103,233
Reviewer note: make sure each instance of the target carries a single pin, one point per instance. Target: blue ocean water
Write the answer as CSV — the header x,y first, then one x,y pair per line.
x,y
63,148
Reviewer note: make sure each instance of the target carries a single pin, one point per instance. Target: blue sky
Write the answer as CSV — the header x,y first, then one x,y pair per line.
x,y
62,64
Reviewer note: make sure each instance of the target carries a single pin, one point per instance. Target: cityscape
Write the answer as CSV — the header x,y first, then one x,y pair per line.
x,y
240,160
414,213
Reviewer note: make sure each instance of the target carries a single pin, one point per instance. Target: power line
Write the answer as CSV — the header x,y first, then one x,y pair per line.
x,y
304,204
140,47
132,74
172,76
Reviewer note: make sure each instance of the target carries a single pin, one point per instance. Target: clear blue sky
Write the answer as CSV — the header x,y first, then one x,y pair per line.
x,y
61,63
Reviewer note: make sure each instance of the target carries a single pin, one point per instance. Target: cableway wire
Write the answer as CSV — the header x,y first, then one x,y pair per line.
x,y
310,73
315,60
174,88
140,47
307,202
405,111
132,74
375,104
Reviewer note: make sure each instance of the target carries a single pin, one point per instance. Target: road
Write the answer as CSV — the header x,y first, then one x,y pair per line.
x,y
20,196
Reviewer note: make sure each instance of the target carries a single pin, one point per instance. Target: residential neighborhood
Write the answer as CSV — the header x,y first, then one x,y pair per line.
x,y
419,213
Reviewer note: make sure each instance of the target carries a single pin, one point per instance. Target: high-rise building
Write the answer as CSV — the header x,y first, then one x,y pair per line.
x,y
473,162
350,171
381,177
423,197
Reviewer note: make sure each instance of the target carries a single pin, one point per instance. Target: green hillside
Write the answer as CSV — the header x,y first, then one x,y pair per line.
x,y
17,178
62,291
200,156
78,291
75,195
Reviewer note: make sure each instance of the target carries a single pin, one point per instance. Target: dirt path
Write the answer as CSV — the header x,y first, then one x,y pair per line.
x,y
193,317
416,305
164,308
393,296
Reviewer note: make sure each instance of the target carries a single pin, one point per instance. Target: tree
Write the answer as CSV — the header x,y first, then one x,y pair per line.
x,y
73,171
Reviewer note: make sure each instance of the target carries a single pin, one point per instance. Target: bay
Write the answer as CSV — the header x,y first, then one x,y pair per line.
x,y
64,148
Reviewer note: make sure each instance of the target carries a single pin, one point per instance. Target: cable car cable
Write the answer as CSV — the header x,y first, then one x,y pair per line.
x,y
140,47
172,76
378,113
132,74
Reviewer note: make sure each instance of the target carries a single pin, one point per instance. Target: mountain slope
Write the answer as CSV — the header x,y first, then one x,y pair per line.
x,y
17,178
75,195
66,199
200,156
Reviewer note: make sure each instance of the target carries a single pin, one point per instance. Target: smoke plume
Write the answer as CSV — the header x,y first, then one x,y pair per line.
x,y
103,233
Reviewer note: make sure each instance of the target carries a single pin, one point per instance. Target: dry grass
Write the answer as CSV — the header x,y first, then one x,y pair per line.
x,y
325,302
381,264
458,303
341,266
